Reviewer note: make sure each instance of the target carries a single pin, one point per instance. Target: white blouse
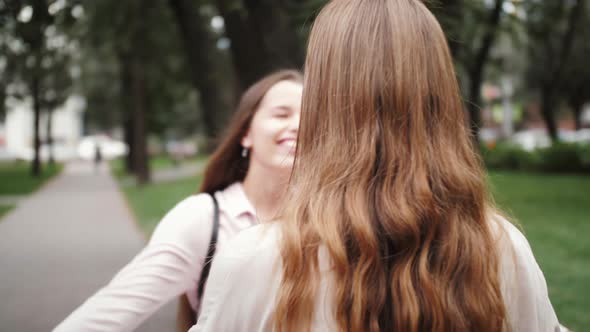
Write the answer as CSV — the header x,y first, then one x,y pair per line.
x,y
245,276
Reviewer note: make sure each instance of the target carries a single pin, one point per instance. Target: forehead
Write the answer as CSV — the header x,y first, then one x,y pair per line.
x,y
283,93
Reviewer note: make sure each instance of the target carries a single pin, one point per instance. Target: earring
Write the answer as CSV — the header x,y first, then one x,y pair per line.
x,y
244,152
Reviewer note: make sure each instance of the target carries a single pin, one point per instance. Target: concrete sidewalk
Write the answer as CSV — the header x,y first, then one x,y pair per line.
x,y
61,244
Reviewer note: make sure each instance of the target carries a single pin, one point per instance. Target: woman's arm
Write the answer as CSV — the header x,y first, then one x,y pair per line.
x,y
168,266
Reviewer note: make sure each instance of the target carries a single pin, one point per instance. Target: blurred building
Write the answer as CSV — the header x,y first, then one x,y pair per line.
x,y
16,131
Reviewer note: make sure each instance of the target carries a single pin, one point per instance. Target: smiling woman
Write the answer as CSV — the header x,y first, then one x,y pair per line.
x,y
272,137
244,182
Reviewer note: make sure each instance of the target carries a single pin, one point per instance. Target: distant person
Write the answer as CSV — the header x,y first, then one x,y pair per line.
x,y
387,225
246,175
97,156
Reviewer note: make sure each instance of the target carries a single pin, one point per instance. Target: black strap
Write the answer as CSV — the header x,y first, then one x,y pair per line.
x,y
210,251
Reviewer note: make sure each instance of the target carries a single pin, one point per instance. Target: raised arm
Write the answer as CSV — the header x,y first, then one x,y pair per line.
x,y
168,266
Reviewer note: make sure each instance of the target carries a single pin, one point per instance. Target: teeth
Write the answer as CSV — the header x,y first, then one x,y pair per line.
x,y
289,143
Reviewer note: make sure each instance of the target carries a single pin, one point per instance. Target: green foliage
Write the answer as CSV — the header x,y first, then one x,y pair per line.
x,y
558,158
547,24
107,41
507,156
561,158
16,177
584,155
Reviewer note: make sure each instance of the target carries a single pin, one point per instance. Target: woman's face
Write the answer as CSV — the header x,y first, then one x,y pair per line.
x,y
272,136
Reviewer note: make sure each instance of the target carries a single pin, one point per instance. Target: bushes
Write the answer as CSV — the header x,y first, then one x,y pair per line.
x,y
558,158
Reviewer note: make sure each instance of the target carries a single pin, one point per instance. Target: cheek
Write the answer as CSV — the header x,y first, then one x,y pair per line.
x,y
263,137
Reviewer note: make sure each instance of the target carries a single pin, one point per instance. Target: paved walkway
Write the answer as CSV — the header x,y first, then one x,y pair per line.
x,y
63,243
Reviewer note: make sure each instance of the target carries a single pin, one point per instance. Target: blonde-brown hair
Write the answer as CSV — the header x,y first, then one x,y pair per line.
x,y
386,179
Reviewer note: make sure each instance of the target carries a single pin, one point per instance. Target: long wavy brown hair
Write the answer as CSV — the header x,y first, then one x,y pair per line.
x,y
387,181
226,165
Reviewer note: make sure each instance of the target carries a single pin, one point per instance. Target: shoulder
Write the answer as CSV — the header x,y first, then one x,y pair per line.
x,y
191,218
522,282
192,206
511,242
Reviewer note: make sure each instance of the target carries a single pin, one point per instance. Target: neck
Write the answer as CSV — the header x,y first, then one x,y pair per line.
x,y
265,190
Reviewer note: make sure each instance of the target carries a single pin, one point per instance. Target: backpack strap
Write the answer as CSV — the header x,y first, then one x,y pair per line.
x,y
211,250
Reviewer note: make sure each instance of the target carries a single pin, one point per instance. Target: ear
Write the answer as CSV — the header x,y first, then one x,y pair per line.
x,y
246,141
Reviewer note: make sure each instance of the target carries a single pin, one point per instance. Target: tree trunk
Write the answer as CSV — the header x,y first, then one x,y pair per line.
x,y
249,56
126,81
205,66
450,14
577,106
36,165
140,161
455,9
2,101
270,20
549,98
139,95
50,137
473,107
477,69
128,136
548,106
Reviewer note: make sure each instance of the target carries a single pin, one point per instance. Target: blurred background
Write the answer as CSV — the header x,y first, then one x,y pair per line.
x,y
135,92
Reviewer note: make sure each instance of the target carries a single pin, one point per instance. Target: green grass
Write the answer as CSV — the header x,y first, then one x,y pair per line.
x,y
151,202
4,209
16,178
554,212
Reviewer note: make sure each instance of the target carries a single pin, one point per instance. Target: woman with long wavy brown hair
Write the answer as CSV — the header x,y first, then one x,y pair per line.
x,y
244,182
388,225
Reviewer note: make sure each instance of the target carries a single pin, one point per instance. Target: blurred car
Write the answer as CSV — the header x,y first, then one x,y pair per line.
x,y
583,136
179,150
489,135
532,139
109,147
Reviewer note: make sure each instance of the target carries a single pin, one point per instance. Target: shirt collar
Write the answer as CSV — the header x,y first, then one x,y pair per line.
x,y
234,201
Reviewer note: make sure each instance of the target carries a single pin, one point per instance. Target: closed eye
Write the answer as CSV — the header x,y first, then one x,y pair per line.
x,y
281,112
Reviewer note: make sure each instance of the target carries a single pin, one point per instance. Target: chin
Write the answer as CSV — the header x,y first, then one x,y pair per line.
x,y
285,164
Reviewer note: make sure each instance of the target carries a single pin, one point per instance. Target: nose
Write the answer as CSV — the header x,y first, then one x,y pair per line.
x,y
294,123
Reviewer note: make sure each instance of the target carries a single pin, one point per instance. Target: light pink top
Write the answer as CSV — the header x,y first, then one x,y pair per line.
x,y
168,266
245,276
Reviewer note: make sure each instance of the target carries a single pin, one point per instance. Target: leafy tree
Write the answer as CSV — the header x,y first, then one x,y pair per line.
x,y
471,27
552,27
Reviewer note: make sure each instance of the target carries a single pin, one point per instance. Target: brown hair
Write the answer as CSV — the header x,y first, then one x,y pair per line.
x,y
398,197
227,165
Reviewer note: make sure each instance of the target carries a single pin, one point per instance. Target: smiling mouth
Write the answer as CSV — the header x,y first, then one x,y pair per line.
x,y
289,142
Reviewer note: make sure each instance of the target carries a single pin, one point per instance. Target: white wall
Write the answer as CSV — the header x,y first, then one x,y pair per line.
x,y
66,128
